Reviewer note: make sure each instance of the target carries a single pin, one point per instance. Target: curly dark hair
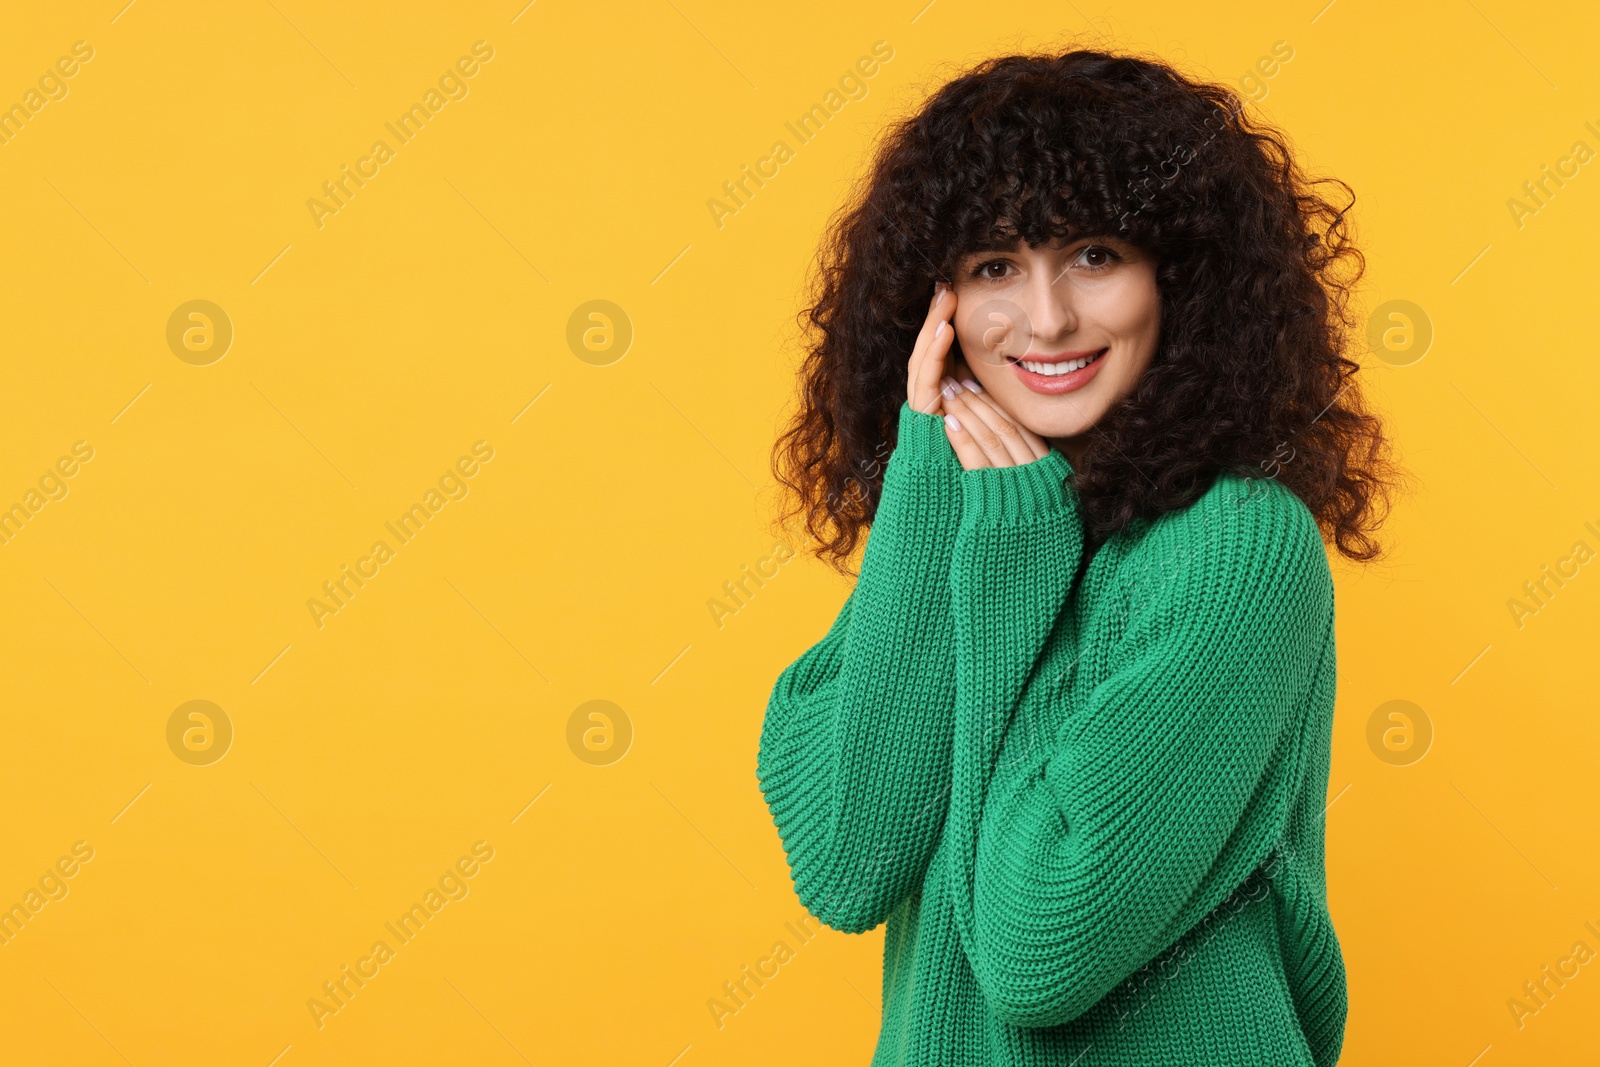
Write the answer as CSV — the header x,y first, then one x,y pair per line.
x,y
1255,273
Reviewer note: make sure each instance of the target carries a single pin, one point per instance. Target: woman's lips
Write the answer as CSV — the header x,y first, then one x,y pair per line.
x,y
1058,383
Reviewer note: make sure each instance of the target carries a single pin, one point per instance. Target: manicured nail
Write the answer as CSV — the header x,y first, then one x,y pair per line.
x,y
970,384
938,331
946,390
950,421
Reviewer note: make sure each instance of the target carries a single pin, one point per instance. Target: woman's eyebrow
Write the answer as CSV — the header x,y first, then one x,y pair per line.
x,y
1014,244
991,244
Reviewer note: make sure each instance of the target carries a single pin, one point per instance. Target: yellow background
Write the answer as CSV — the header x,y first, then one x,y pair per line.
x,y
432,310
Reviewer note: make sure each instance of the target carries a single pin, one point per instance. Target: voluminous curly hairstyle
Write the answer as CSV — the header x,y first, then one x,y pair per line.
x,y
1255,273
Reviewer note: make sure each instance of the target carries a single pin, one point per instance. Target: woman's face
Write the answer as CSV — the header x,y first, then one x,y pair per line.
x,y
1024,315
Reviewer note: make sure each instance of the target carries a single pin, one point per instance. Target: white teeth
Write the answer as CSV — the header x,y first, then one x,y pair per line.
x,y
1052,369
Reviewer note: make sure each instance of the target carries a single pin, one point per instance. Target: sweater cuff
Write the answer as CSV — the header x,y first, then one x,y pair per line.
x,y
923,437
1018,494
922,455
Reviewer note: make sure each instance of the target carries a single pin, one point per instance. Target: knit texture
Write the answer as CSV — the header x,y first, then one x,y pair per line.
x,y
1087,796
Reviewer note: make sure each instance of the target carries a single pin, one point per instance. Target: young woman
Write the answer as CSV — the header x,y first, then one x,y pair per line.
x,y
1069,733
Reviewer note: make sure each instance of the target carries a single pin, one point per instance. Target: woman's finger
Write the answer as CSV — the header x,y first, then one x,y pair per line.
x,y
914,395
927,364
1000,438
1038,447
966,447
936,358
995,454
963,374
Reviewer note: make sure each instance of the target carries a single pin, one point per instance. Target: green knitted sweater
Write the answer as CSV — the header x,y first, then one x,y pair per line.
x,y
1086,795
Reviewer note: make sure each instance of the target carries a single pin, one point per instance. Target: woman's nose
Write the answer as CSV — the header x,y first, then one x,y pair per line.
x,y
1050,312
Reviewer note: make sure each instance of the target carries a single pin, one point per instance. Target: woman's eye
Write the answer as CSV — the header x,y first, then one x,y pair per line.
x,y
1095,260
1109,256
993,270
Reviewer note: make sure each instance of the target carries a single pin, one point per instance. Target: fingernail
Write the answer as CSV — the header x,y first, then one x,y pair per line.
x,y
938,331
970,384
947,389
950,421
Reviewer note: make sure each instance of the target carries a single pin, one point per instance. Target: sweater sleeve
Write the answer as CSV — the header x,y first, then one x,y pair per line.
x,y
1169,782
854,757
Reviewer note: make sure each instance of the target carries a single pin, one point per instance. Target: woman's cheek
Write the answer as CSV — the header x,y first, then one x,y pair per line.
x,y
976,346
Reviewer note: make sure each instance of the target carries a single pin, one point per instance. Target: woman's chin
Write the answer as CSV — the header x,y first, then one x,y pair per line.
x,y
1046,416
1051,424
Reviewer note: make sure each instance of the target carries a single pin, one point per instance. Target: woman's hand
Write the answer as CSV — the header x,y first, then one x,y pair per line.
x,y
982,433
928,356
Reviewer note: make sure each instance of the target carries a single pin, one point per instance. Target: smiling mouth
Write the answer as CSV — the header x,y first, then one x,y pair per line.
x,y
1054,368
1056,375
